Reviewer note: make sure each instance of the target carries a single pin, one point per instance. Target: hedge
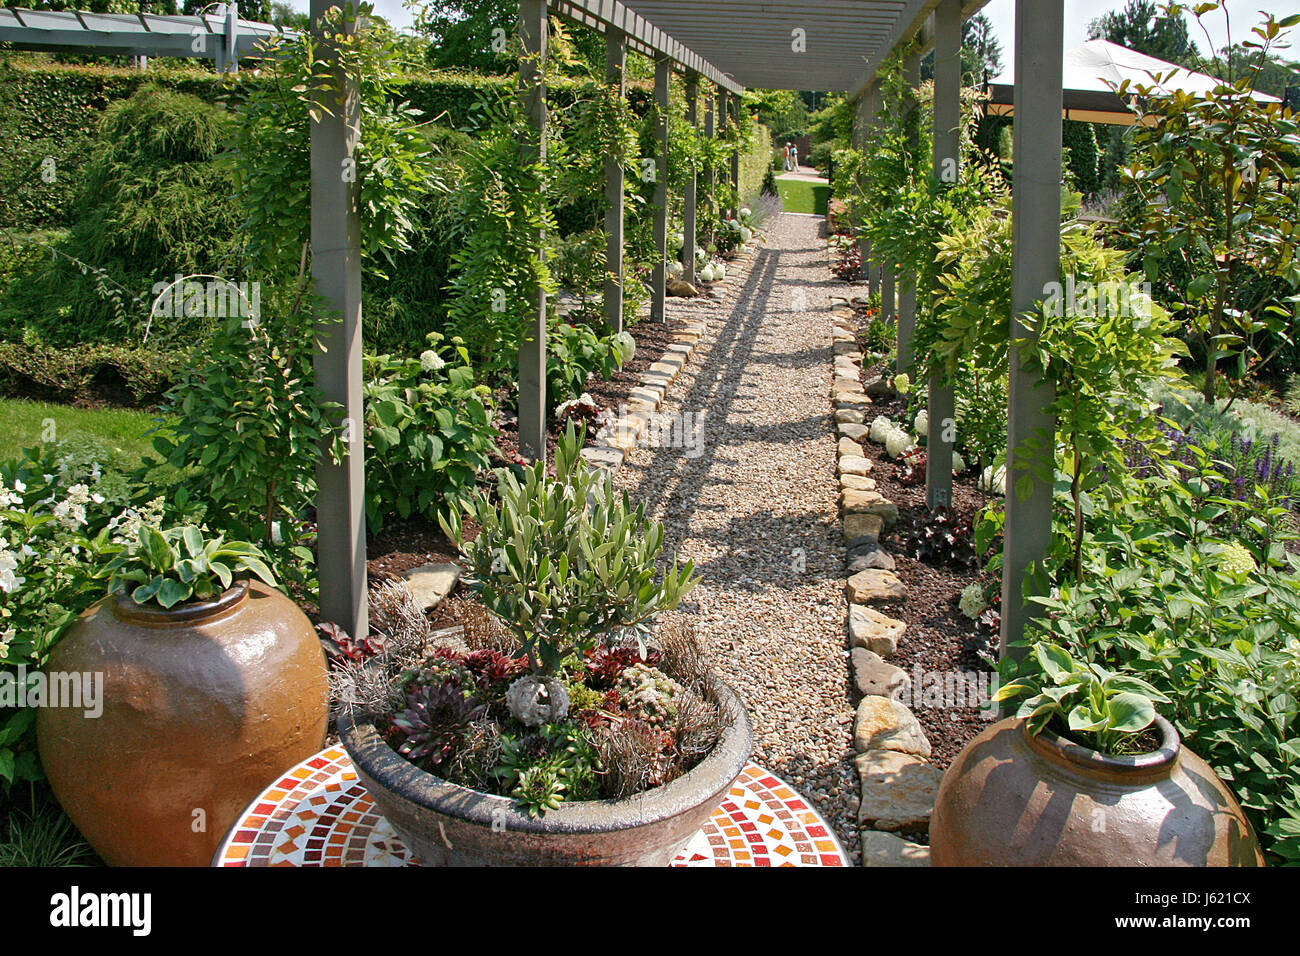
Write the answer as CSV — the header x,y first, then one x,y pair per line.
x,y
51,110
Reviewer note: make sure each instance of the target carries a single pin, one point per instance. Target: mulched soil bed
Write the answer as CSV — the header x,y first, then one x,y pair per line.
x,y
939,637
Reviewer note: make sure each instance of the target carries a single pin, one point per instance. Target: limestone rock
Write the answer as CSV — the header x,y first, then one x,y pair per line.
x,y
680,287
861,502
898,790
857,483
862,529
849,448
855,466
430,583
874,586
873,676
868,555
886,724
857,432
886,849
876,632
887,510
878,387
850,416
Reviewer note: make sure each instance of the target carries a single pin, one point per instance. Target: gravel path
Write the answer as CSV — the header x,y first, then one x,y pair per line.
x,y
756,509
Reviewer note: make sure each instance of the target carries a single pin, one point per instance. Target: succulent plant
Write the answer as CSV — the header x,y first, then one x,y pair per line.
x,y
433,723
649,694
605,665
492,667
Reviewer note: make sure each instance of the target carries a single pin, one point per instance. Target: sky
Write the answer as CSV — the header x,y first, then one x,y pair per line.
x,y
1078,14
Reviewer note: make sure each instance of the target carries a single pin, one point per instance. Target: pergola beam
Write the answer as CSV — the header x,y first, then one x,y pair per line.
x,y
919,12
136,34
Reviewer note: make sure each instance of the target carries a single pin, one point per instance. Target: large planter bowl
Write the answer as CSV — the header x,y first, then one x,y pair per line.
x,y
444,824
202,706
1015,799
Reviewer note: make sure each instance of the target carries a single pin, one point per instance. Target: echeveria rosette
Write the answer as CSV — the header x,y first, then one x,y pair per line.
x,y
178,565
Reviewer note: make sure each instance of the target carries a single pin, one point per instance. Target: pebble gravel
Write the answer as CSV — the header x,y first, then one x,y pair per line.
x,y
754,505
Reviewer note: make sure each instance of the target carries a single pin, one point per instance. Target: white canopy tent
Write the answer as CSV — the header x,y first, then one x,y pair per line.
x,y
1096,69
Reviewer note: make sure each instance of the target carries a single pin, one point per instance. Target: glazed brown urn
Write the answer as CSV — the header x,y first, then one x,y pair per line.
x,y
203,705
1016,799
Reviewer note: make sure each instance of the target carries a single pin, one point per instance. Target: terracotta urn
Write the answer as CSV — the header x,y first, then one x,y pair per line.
x,y
202,706
1016,799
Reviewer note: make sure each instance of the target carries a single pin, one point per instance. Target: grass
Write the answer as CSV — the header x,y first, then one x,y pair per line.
x,y
800,195
44,836
26,424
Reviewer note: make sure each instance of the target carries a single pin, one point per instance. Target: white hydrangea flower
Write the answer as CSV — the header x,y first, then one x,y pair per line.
x,y
921,423
994,482
972,602
880,429
745,212
903,383
431,361
958,463
897,442
10,581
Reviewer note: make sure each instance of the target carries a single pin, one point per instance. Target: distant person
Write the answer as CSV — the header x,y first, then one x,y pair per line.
x,y
794,157
787,157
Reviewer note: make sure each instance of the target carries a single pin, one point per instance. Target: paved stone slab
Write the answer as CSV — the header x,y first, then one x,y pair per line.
x,y
883,723
850,416
898,791
873,676
876,632
430,583
881,849
855,430
603,456
875,587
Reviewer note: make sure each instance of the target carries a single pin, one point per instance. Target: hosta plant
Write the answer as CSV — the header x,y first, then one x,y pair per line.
x,y
177,565
1099,708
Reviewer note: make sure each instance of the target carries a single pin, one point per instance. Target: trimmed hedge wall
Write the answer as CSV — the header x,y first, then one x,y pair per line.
x,y
52,110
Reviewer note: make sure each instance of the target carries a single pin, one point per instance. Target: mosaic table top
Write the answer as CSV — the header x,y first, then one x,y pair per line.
x,y
319,814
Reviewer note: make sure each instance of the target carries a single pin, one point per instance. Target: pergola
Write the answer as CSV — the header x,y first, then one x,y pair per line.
x,y
827,45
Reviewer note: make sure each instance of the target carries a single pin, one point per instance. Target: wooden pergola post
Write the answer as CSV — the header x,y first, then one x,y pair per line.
x,y
735,156
863,119
533,27
1036,261
336,270
710,132
942,408
907,297
615,63
689,224
663,73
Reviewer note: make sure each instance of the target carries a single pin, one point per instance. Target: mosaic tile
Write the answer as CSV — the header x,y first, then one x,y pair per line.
x,y
319,814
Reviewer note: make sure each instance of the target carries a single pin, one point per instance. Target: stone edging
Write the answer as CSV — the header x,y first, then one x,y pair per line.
x,y
899,783
645,400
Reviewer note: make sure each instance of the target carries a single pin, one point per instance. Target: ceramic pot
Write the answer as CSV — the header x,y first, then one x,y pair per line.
x,y
444,824
1016,799
203,705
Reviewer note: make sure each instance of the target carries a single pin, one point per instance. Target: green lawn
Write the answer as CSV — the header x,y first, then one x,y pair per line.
x,y
798,195
24,424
